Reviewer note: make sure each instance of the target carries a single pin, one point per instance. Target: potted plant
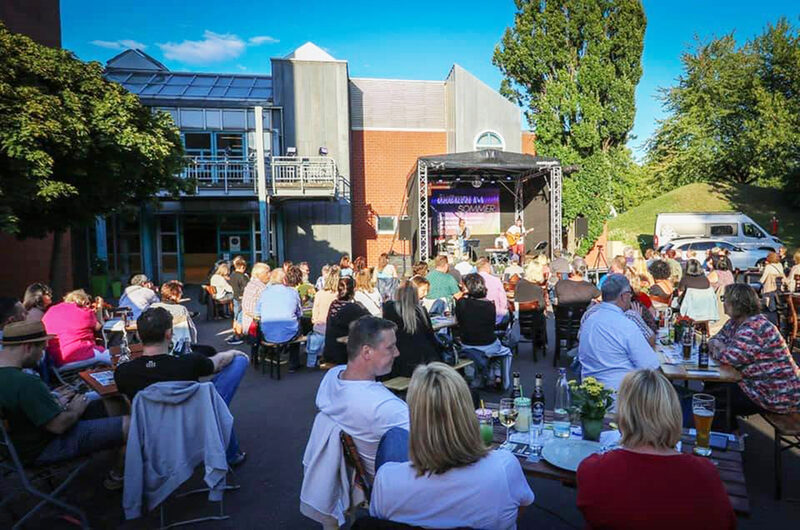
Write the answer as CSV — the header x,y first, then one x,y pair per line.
x,y
591,400
99,278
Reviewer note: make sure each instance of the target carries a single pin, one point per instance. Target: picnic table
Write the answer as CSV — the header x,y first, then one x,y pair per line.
x,y
729,463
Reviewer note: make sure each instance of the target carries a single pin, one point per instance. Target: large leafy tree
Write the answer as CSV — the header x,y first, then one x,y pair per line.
x,y
734,115
74,145
574,67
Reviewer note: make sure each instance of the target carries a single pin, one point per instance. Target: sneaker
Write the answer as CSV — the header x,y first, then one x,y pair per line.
x,y
114,482
238,459
233,340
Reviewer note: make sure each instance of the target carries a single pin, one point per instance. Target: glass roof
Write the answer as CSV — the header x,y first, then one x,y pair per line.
x,y
194,86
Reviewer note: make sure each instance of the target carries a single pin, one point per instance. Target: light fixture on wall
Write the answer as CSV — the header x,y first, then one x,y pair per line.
x,y
323,151
476,182
291,151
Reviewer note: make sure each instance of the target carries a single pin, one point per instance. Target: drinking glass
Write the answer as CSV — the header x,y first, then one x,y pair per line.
x,y
507,414
703,411
536,437
486,425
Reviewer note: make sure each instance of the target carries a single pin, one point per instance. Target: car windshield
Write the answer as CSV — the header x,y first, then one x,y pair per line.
x,y
751,230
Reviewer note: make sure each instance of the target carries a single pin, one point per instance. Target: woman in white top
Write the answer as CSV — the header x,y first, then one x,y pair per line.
x,y
795,271
366,293
384,268
219,281
452,480
323,300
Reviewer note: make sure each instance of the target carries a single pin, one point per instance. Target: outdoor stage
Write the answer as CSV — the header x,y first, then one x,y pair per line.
x,y
488,189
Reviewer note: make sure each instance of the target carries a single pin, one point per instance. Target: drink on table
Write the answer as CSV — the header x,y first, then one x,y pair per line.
x,y
670,332
702,353
687,344
507,414
516,390
561,406
703,411
486,425
523,407
537,400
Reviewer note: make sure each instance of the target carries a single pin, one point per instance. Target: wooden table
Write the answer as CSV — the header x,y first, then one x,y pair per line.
x,y
729,463
111,390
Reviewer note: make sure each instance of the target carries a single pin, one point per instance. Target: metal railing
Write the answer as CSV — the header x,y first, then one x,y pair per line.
x,y
310,175
222,174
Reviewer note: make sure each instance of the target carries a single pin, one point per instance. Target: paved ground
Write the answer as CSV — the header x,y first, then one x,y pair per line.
x,y
273,420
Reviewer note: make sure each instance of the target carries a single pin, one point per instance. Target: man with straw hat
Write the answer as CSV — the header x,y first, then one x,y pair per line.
x,y
45,428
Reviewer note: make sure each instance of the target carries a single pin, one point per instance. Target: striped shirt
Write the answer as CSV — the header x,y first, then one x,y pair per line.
x,y
252,292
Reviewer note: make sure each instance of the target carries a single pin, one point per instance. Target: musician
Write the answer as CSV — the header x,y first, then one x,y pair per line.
x,y
515,235
463,235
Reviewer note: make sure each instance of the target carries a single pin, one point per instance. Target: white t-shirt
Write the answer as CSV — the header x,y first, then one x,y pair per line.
x,y
486,494
371,301
465,267
363,409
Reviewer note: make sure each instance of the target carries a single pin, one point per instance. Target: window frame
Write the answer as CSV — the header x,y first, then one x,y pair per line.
x,y
380,231
487,132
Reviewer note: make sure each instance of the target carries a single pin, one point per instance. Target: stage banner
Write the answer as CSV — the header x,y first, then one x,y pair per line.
x,y
480,208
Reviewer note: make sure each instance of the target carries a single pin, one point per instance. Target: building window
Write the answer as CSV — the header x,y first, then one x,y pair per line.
x,y
489,140
387,224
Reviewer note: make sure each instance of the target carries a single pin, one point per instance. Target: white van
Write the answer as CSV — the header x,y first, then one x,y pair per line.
x,y
734,227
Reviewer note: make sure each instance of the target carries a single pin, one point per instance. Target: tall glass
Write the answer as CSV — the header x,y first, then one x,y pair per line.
x,y
507,414
703,410
486,425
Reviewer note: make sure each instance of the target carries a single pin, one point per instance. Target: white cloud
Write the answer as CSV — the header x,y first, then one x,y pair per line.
x,y
119,44
214,47
262,39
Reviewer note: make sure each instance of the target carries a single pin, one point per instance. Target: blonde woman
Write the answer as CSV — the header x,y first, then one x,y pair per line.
x,y
795,271
366,293
415,338
634,487
639,267
534,272
452,479
324,298
221,282
384,268
74,323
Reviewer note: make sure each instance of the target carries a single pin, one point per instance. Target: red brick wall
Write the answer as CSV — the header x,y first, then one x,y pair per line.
x,y
528,143
28,261
380,164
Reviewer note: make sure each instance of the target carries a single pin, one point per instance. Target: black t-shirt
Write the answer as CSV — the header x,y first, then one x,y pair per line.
x,y
140,373
452,271
476,319
338,325
693,282
572,292
526,291
419,348
238,282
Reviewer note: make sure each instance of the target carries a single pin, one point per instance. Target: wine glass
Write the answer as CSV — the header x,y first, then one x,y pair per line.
x,y
507,414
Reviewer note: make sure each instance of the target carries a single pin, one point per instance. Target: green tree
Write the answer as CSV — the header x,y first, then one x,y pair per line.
x,y
74,145
574,67
734,115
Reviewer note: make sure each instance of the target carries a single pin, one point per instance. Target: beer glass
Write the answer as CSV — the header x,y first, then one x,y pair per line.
x,y
507,414
703,411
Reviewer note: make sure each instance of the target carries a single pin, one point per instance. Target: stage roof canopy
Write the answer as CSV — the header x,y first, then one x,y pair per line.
x,y
486,162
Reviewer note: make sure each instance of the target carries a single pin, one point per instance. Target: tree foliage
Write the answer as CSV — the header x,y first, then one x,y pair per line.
x,y
574,67
734,115
72,144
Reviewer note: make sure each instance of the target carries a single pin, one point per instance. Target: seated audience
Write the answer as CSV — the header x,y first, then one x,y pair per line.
x,y
609,344
345,266
442,285
634,487
575,289
724,275
319,285
534,271
465,266
513,268
421,285
415,338
794,274
675,267
640,268
420,269
495,292
367,295
221,282
279,310
452,479
238,281
252,292
38,297
47,428
560,266
662,289
359,264
452,271
618,265
343,311
11,310
305,289
384,268
74,323
753,345
138,295
770,280
184,332
698,299
156,365
323,300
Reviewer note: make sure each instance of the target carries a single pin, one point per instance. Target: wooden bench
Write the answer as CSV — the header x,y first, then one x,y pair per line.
x,y
787,437
271,353
397,384
462,363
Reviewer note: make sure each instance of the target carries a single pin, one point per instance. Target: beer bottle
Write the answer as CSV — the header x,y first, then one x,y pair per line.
x,y
702,353
537,398
516,391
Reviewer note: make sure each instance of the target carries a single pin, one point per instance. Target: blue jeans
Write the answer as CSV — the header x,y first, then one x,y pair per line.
x,y
226,382
393,447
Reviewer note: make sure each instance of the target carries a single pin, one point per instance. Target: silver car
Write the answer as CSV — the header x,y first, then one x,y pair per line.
x,y
741,258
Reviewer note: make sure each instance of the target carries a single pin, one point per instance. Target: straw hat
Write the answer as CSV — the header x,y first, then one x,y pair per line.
x,y
24,332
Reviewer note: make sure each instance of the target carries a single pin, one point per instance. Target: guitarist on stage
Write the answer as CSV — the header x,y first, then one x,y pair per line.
x,y
515,235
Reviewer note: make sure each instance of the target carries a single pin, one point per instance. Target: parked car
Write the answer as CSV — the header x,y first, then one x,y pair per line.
x,y
741,258
734,227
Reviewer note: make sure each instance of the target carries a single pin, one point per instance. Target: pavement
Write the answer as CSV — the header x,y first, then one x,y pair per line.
x,y
273,420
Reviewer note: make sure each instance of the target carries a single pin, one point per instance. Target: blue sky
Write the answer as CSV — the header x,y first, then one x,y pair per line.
x,y
407,40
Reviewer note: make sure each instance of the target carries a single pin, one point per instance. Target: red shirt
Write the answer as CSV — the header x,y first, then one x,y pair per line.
x,y
626,490
74,330
644,299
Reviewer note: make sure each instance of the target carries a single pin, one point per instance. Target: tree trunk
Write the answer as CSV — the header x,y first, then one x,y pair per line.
x,y
56,275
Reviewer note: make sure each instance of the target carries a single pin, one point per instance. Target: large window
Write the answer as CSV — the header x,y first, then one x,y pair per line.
x,y
489,140
217,144
386,224
198,144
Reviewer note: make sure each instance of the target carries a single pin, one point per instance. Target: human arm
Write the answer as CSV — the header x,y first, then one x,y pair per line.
x,y
740,347
223,359
69,416
640,352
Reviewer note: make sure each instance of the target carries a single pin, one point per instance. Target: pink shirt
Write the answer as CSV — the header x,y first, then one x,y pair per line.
x,y
496,293
74,330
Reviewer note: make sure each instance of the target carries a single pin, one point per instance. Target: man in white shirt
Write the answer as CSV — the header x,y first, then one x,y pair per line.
x,y
611,345
464,266
351,397
138,296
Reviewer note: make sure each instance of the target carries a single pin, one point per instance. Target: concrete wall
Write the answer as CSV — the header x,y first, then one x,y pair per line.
x,y
472,108
396,104
316,231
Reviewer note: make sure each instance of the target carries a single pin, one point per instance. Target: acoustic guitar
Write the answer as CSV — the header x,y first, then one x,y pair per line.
x,y
513,239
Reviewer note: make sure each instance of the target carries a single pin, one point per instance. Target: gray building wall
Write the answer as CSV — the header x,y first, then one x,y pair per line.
x,y
397,104
314,98
473,107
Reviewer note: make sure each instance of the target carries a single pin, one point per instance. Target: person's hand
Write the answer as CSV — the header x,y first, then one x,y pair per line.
x,y
63,394
78,404
637,306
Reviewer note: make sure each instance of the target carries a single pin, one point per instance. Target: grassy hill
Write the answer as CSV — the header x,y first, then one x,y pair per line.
x,y
637,224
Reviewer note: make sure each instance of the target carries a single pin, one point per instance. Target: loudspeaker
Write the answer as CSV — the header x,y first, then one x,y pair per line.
x,y
404,229
581,227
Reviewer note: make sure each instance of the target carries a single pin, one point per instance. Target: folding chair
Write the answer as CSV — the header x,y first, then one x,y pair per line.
x,y
353,460
30,478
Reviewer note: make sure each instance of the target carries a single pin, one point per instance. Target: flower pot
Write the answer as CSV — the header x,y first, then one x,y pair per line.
x,y
591,428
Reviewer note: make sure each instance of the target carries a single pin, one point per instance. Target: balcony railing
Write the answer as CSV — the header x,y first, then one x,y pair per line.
x,y
287,176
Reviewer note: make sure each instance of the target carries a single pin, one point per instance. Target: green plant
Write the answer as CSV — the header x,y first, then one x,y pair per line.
x,y
591,399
